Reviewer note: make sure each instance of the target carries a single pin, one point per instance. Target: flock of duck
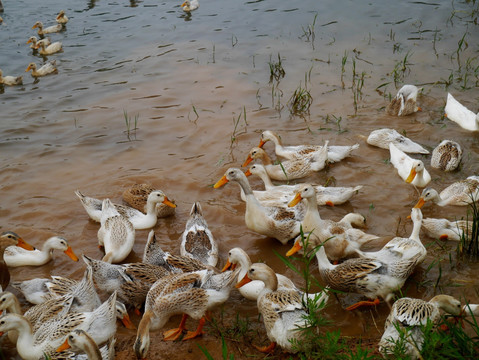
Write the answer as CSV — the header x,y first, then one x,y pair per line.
x,y
69,317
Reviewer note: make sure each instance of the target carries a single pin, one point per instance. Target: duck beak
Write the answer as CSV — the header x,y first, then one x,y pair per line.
x,y
247,161
261,143
411,176
23,244
420,203
29,41
71,254
228,266
126,321
34,26
296,247
184,4
168,202
248,173
296,200
221,182
244,281
63,346
28,68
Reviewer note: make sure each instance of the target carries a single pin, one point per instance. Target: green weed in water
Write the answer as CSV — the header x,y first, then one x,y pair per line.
x,y
131,126
300,101
468,245
276,70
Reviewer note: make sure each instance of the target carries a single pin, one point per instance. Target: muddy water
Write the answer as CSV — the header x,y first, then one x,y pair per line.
x,y
199,87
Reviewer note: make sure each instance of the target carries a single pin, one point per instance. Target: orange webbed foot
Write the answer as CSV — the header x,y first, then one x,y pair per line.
x,y
363,303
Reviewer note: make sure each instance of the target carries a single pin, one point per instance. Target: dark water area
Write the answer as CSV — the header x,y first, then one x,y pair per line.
x,y
199,87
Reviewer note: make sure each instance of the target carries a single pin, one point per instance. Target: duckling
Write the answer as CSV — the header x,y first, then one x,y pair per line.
x,y
460,193
410,170
461,115
136,196
61,18
382,137
48,30
446,156
33,42
46,69
49,49
10,80
197,241
405,102
190,5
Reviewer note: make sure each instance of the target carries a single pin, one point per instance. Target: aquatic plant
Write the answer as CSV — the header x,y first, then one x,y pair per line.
x,y
468,245
300,102
308,32
276,70
236,122
131,125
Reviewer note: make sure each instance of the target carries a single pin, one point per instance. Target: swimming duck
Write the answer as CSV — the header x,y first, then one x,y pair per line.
x,y
382,137
48,30
405,102
447,230
290,169
407,315
283,311
53,48
116,233
9,238
100,323
46,69
33,42
80,341
340,239
335,153
410,170
136,196
61,18
139,220
10,80
461,115
16,256
190,5
277,222
282,194
197,241
460,193
446,156
191,294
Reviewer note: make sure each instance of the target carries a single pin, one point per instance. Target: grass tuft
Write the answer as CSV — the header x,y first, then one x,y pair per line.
x,y
468,246
131,126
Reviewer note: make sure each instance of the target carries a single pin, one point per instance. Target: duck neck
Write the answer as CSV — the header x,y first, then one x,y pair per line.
x,y
150,208
14,306
416,230
244,264
266,159
25,338
323,261
91,349
268,184
312,213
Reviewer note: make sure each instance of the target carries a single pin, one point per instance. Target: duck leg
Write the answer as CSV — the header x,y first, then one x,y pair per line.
x,y
174,334
266,349
363,303
198,331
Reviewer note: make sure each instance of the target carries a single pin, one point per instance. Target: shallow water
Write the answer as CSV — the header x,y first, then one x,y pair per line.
x,y
200,87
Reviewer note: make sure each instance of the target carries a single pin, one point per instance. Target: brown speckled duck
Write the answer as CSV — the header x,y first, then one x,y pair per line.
x,y
405,102
446,156
136,196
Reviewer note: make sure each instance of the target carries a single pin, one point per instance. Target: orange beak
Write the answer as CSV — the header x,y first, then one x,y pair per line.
x,y
28,68
228,266
411,176
420,203
296,247
221,182
23,244
184,4
29,41
244,281
168,202
261,143
126,321
63,346
34,26
71,254
247,161
419,109
443,237
248,173
296,200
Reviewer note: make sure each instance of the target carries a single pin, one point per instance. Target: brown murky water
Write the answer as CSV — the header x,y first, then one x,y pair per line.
x,y
189,79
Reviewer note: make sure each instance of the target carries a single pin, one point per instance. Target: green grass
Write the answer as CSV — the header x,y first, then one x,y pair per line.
x,y
276,70
468,245
300,102
131,125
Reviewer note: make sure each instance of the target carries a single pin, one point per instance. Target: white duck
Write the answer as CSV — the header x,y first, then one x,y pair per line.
x,y
197,241
46,69
405,102
461,115
408,315
281,195
446,156
80,341
116,233
16,256
382,137
139,220
48,30
273,221
33,42
460,193
50,49
10,80
61,18
190,5
335,152
444,229
410,170
283,311
191,294
290,169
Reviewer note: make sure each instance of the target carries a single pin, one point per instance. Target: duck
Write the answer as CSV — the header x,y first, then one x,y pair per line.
x,y
410,170
282,194
446,156
190,5
280,223
46,69
33,42
459,193
290,169
406,317
62,18
283,310
335,152
191,294
139,220
100,323
80,341
405,102
10,80
7,239
339,238
444,229
16,256
197,241
136,196
48,30
461,115
53,48
116,233
382,137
